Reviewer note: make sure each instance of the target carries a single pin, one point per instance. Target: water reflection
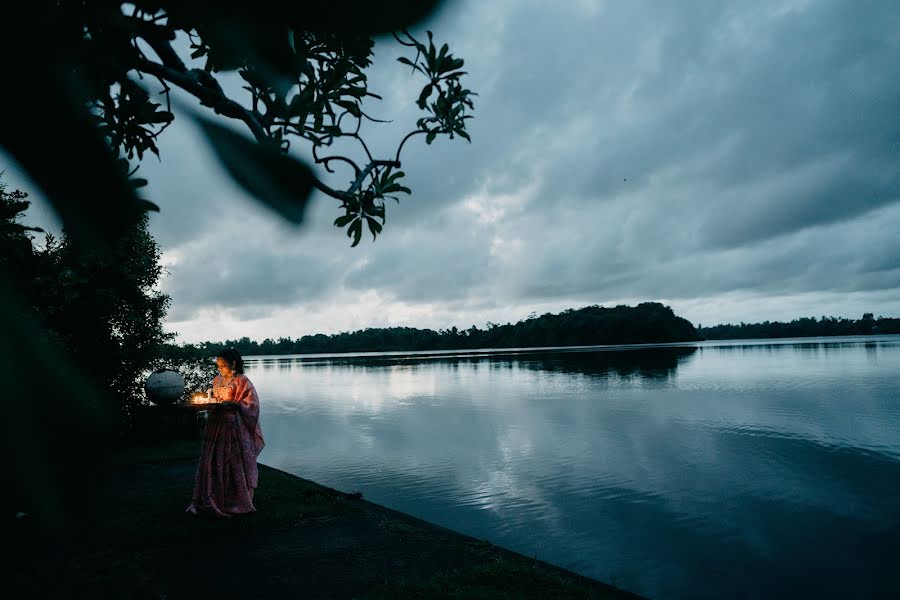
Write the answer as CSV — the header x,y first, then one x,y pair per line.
x,y
655,363
702,471
658,362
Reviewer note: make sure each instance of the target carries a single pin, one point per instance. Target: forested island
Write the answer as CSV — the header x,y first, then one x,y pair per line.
x,y
648,322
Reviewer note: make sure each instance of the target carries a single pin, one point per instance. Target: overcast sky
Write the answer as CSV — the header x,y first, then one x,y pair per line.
x,y
737,161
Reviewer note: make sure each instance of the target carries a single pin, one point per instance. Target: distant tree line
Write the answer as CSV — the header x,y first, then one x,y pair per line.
x,y
802,327
647,322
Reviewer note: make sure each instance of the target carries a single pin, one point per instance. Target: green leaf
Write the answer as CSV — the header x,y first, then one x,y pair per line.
x,y
356,229
374,227
430,48
147,205
423,97
430,137
282,183
343,220
356,92
350,106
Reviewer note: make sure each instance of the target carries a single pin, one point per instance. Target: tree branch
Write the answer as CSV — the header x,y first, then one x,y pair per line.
x,y
190,82
368,169
408,135
166,53
342,196
324,160
201,85
158,36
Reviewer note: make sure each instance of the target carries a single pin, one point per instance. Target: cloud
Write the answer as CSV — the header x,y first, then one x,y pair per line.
x,y
737,160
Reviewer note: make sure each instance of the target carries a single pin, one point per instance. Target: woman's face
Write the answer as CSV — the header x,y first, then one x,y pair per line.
x,y
224,368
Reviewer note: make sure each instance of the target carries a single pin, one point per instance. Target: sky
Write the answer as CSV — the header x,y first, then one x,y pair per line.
x,y
737,161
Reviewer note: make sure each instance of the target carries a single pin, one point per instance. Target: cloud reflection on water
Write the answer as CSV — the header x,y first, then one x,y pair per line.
x,y
674,457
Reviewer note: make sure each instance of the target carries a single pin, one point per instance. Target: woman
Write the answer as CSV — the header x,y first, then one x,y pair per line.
x,y
226,474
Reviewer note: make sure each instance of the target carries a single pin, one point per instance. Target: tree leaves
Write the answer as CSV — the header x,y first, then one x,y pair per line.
x,y
344,219
374,227
70,60
423,97
304,66
281,182
447,110
356,230
129,117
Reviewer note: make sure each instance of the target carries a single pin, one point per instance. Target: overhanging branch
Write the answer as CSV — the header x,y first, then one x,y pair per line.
x,y
189,81
365,172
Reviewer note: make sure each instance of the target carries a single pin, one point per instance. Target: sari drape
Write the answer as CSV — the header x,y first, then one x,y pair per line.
x,y
227,475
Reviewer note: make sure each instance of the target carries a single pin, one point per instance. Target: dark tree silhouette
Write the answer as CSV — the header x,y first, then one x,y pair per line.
x,y
101,64
86,90
648,322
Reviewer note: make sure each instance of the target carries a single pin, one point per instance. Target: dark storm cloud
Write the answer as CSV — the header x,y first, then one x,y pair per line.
x,y
733,125
772,122
266,282
636,150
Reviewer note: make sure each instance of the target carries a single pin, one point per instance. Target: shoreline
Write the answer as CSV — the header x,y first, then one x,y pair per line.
x,y
305,540
465,352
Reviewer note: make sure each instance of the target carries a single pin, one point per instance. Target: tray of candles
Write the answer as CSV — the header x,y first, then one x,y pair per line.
x,y
200,402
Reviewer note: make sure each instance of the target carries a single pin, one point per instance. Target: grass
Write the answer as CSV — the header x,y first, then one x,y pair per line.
x,y
306,540
495,575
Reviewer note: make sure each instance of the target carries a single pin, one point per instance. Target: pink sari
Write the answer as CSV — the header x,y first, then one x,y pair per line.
x,y
226,473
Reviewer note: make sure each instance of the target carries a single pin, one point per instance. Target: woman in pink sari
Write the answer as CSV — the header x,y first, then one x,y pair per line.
x,y
226,474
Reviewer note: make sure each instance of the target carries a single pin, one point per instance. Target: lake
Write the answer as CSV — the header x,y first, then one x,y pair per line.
x,y
738,468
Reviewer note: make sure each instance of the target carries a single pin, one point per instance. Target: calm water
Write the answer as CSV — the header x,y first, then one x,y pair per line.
x,y
710,470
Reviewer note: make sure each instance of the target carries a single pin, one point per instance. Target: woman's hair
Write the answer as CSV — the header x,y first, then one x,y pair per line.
x,y
234,359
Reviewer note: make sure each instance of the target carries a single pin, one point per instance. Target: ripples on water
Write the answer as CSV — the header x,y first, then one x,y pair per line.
x,y
719,469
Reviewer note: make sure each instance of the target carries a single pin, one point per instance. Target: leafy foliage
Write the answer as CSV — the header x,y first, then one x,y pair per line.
x,y
80,100
94,319
304,70
103,309
197,368
448,108
16,253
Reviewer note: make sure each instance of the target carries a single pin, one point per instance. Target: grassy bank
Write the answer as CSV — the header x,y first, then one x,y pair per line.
x,y
306,541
